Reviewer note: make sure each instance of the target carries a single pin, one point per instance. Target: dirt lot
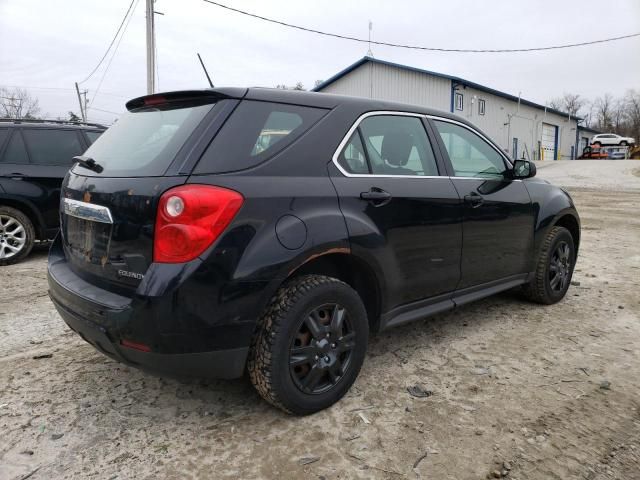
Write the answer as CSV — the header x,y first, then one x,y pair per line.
x,y
524,390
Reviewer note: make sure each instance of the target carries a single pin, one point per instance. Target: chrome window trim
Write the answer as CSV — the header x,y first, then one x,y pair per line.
x,y
87,211
353,128
359,120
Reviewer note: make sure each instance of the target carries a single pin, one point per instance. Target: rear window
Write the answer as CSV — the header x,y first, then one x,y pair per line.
x,y
144,142
52,147
3,136
255,132
92,136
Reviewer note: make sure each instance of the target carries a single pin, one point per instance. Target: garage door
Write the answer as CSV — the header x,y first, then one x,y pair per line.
x,y
549,141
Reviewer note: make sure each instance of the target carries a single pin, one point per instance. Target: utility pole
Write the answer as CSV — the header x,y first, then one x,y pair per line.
x,y
82,110
151,49
84,97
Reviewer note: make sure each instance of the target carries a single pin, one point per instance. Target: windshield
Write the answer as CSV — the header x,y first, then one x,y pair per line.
x,y
144,142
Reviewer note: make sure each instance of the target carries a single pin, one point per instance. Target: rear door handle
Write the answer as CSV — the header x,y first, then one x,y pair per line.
x,y
474,199
376,196
16,176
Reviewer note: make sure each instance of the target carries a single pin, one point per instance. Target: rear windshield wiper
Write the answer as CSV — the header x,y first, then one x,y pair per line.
x,y
88,162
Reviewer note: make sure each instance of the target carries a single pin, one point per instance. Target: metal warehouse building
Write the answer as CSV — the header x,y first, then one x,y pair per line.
x,y
521,127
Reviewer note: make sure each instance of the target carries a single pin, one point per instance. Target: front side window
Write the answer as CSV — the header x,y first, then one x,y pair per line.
x,y
52,147
398,145
255,132
470,155
15,152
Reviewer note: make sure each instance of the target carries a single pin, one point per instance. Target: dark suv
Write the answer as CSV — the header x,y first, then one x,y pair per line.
x,y
35,155
211,232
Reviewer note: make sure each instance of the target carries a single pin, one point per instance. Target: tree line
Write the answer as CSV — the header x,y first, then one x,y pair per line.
x,y
606,113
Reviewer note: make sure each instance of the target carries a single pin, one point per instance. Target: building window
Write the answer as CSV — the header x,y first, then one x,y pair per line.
x,y
480,107
459,101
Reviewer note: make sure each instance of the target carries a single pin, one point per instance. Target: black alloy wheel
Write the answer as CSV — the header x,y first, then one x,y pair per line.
x,y
554,268
321,351
560,267
309,344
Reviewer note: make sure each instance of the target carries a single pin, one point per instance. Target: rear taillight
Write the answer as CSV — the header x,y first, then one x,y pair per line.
x,y
189,219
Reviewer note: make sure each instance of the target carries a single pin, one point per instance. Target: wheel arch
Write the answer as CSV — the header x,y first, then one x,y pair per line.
x,y
571,223
352,270
29,210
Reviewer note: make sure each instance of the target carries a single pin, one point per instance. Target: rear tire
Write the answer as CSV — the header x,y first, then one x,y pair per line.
x,y
310,344
17,235
597,144
554,268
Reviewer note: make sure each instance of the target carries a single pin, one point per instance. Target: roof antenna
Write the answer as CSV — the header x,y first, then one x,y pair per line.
x,y
205,70
369,52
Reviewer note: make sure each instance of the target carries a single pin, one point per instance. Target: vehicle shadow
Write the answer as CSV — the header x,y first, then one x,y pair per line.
x,y
141,394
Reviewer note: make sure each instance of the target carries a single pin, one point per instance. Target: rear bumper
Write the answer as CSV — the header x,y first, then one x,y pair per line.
x,y
104,319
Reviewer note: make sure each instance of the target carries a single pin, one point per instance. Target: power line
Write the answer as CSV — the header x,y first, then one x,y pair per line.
x,y
26,87
111,44
104,74
416,47
102,110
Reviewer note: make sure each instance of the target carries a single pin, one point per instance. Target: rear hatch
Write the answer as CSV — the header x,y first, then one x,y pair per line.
x,y
109,200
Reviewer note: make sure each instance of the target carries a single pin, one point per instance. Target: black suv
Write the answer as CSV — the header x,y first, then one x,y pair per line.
x,y
35,155
211,232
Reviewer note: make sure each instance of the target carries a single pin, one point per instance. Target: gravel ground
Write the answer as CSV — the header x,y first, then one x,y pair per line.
x,y
518,390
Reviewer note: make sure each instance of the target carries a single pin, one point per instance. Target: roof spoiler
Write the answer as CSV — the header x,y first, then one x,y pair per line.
x,y
207,95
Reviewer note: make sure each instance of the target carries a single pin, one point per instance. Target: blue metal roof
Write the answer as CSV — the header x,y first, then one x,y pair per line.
x,y
458,80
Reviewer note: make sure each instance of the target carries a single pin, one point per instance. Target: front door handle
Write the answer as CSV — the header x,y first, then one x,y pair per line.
x,y
474,199
16,176
376,196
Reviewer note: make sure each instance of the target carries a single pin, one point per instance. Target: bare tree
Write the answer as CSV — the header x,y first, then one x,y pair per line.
x,y
555,103
18,103
572,103
632,104
569,102
603,110
297,86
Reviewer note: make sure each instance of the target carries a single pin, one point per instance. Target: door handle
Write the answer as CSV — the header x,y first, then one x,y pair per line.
x,y
16,176
474,199
376,196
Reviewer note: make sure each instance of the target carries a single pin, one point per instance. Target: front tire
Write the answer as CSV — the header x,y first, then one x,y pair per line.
x,y
554,268
17,235
310,344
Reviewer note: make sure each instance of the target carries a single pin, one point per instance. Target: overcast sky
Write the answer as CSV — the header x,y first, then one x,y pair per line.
x,y
47,45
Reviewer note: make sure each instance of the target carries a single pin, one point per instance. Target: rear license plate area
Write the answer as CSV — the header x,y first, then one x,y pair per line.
x,y
87,239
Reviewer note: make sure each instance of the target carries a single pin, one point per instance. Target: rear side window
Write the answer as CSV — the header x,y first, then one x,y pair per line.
x,y
92,136
395,145
353,159
52,147
254,132
144,142
15,152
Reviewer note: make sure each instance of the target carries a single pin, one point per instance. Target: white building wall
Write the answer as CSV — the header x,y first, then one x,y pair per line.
x,y
503,119
384,82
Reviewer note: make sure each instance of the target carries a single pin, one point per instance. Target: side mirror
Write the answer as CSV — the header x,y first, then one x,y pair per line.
x,y
523,169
